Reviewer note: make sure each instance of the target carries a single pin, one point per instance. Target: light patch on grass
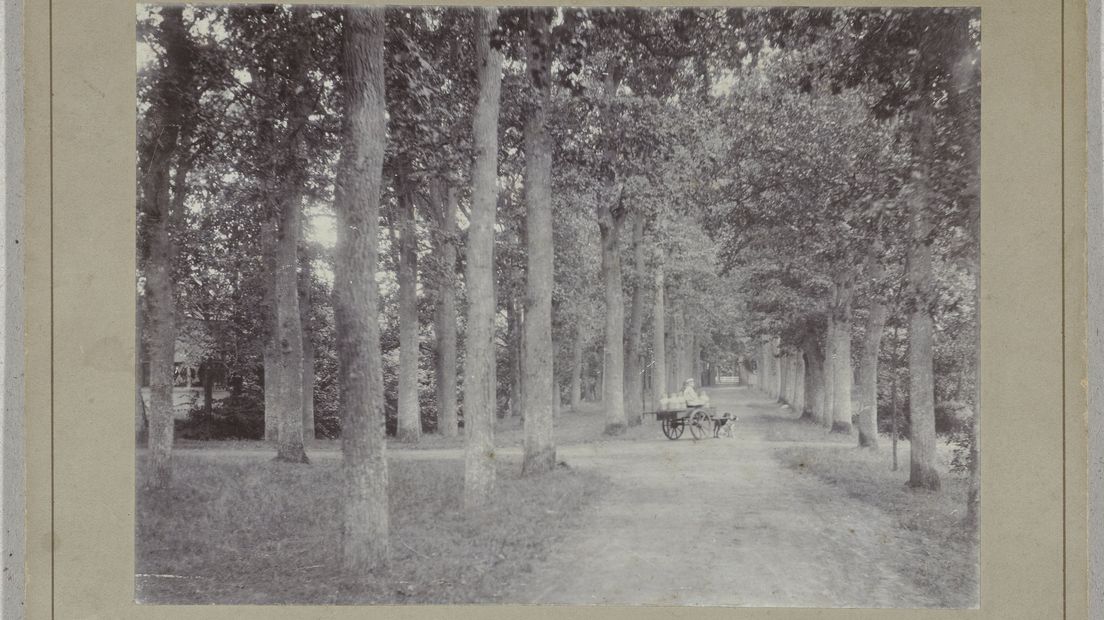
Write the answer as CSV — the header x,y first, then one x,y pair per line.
x,y
239,531
800,430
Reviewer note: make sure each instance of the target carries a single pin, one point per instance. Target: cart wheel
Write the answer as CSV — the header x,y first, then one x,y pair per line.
x,y
700,424
672,429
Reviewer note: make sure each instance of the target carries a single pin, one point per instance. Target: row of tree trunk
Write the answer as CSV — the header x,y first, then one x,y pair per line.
x,y
815,377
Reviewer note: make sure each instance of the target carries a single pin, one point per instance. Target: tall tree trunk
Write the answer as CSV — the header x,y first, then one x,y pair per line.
x,y
270,354
513,331
922,472
539,449
445,201
364,526
306,301
141,421
760,367
479,375
868,371
785,378
776,368
791,379
659,330
841,369
288,339
814,382
768,368
828,403
613,367
634,376
409,422
893,394
286,205
799,381
158,199
672,348
577,369
205,379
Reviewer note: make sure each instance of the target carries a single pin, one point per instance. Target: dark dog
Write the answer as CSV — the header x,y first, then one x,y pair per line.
x,y
725,425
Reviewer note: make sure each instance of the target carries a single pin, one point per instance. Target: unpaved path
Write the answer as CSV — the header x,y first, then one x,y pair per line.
x,y
721,522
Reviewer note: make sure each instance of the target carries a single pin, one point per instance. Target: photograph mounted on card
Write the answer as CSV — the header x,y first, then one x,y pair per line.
x,y
364,309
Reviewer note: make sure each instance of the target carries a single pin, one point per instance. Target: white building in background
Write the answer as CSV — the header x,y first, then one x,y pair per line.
x,y
200,371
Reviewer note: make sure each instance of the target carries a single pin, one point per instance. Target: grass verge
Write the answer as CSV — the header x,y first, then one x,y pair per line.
x,y
945,563
245,531
587,425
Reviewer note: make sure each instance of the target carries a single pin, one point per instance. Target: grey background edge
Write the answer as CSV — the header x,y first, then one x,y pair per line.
x,y
12,469
12,439
1096,311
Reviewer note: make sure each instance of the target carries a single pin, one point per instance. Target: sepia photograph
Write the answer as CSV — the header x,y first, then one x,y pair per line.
x,y
557,306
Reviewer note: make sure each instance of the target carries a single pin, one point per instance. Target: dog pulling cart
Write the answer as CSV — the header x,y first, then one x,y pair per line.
x,y
701,421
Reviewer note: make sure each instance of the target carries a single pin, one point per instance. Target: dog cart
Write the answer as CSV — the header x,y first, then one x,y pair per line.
x,y
673,422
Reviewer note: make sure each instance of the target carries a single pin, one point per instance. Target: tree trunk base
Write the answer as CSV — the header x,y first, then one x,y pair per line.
x,y
923,478
614,429
866,441
539,462
292,454
807,416
635,421
160,479
408,436
841,427
972,505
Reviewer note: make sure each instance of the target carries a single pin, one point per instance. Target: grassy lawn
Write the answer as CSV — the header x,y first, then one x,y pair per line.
x,y
243,530
946,568
571,427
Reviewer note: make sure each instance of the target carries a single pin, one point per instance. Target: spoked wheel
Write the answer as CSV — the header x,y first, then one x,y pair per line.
x,y
672,429
700,424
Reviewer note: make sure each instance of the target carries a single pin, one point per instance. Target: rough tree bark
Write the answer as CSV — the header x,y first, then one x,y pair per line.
x,y
922,472
577,368
479,365
285,207
539,448
842,373
444,198
784,378
306,300
799,381
513,340
659,348
141,421
288,339
672,348
868,368
270,355
828,402
364,525
409,416
634,377
776,368
157,201
611,217
814,382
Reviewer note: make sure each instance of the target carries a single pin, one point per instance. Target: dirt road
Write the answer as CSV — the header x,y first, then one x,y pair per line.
x,y
721,522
